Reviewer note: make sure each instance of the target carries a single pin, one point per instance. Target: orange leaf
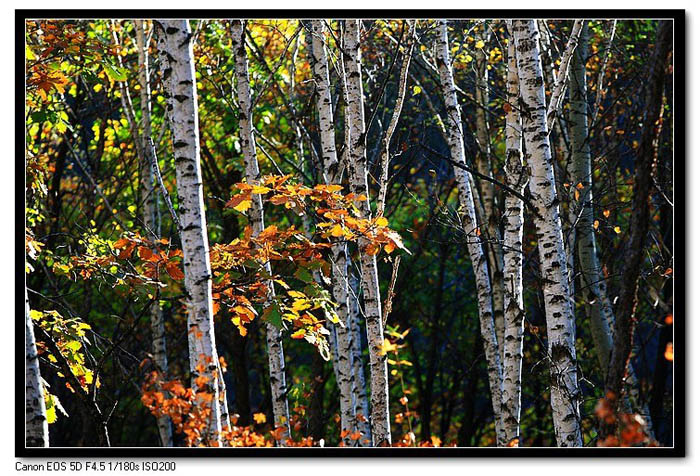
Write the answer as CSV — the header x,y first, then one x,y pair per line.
x,y
174,271
144,252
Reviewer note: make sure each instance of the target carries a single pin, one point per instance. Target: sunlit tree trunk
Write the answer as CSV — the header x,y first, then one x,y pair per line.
x,y
516,178
278,382
149,201
178,73
561,327
330,169
357,158
455,137
36,426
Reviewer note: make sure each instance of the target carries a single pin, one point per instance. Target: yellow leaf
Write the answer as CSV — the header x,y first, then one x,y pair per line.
x,y
259,418
243,206
260,189
618,230
337,231
381,221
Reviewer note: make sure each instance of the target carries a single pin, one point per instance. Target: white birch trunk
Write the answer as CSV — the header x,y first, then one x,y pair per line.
x,y
36,426
275,352
357,161
359,389
595,294
178,73
149,198
593,285
487,192
343,342
453,127
561,327
516,178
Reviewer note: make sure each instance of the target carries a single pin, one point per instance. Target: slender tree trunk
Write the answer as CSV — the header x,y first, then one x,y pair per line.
x,y
561,326
394,121
379,382
593,284
486,190
639,221
559,86
359,389
343,348
149,201
278,383
516,178
179,77
479,262
36,426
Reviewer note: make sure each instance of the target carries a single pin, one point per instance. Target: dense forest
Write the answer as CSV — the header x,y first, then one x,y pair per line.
x,y
377,232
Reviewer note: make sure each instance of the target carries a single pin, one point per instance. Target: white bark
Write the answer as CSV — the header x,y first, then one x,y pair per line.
x,y
595,294
359,389
516,178
275,352
593,285
343,341
453,127
357,162
178,73
149,202
561,327
36,426
486,190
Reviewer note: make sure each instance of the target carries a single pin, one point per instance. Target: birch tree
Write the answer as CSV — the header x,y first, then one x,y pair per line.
x,y
468,216
36,426
339,251
561,326
273,335
180,82
150,215
485,194
516,178
357,162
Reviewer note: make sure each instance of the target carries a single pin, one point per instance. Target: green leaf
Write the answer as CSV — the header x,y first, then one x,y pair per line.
x,y
303,274
272,315
115,73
